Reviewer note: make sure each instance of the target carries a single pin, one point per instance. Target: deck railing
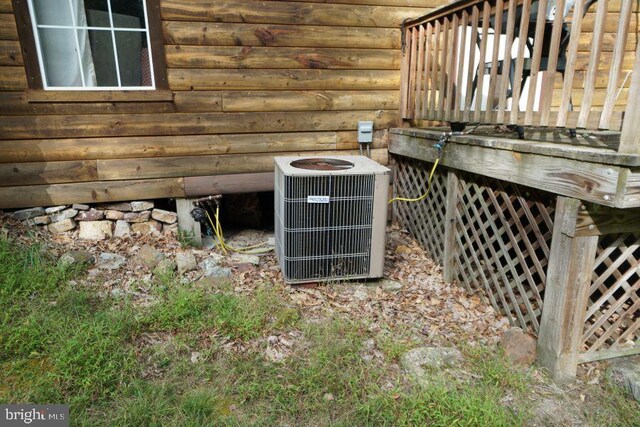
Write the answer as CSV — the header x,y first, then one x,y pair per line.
x,y
562,63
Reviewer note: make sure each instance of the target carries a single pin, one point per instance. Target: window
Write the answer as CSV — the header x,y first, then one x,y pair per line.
x,y
91,45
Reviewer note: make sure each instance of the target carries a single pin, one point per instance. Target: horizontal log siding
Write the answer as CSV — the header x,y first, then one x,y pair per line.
x,y
250,80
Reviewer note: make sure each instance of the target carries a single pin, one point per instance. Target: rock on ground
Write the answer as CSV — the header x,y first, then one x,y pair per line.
x,y
54,209
210,267
90,215
360,294
170,229
211,282
62,226
149,257
390,285
164,216
625,373
110,261
65,214
23,214
245,259
114,215
185,261
421,362
141,206
80,207
76,257
519,347
208,242
165,266
137,216
555,411
41,220
149,227
95,230
122,229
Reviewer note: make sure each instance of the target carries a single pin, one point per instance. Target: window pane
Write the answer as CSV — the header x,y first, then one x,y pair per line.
x,y
60,57
97,13
52,12
132,53
104,60
128,13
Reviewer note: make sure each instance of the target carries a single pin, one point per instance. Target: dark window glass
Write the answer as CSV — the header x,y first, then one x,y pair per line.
x,y
97,13
104,59
132,52
128,13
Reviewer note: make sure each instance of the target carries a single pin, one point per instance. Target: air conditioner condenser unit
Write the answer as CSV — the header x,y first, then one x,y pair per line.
x,y
330,217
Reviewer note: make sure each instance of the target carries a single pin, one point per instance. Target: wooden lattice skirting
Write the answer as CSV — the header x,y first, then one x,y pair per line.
x,y
495,238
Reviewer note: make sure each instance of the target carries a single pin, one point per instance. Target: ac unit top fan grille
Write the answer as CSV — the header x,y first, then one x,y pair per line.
x,y
322,164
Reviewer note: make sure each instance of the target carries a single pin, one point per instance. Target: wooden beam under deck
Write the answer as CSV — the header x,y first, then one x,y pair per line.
x,y
595,175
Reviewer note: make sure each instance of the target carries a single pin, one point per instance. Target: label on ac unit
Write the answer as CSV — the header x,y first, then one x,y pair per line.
x,y
317,199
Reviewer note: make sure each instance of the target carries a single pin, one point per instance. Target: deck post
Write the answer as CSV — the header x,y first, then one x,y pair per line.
x,y
450,226
569,275
186,223
630,137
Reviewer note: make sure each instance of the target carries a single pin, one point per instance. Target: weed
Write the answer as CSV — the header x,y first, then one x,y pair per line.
x,y
187,239
239,317
395,343
58,344
144,403
612,406
436,405
495,370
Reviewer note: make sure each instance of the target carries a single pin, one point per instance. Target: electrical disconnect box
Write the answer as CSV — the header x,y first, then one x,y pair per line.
x,y
365,132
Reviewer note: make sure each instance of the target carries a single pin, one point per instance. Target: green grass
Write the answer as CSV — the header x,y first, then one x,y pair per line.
x,y
63,344
58,344
193,310
493,370
438,405
615,407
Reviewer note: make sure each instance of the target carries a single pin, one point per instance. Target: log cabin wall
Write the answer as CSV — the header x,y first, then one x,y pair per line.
x,y
249,80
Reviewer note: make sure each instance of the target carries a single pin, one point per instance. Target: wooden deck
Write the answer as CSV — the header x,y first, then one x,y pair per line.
x,y
588,168
546,229
571,70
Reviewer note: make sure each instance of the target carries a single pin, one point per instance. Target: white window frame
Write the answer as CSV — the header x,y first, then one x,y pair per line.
x,y
75,29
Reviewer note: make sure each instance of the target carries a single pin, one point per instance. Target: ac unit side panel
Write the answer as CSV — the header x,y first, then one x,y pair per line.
x,y
379,225
278,214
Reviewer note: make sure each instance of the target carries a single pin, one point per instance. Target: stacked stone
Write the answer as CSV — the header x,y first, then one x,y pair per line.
x,y
102,221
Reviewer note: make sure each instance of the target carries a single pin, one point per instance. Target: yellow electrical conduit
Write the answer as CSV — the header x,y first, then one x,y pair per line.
x,y
217,229
417,199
